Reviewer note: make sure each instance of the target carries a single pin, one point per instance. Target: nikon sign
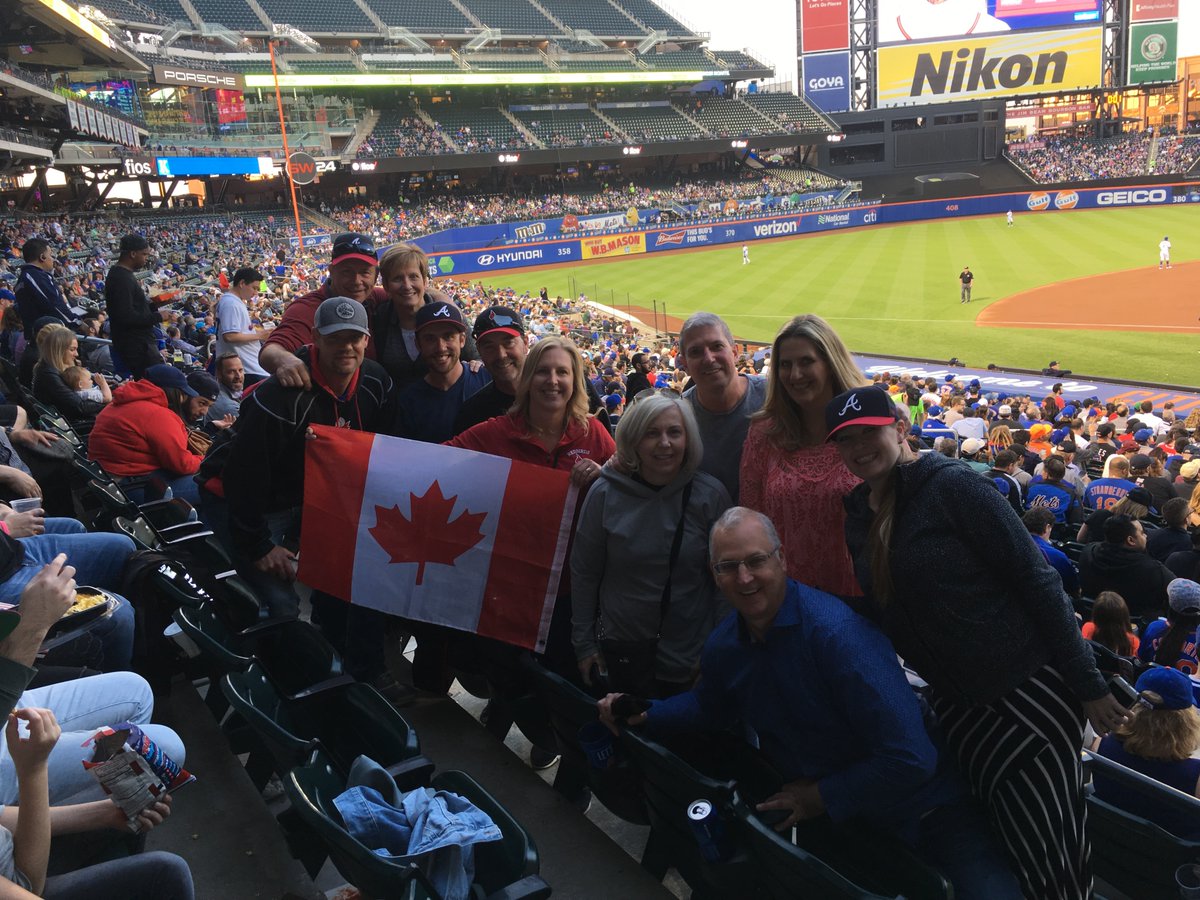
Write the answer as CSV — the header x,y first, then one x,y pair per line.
x,y
1003,65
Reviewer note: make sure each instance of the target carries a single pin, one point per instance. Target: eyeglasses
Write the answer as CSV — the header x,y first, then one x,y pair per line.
x,y
753,563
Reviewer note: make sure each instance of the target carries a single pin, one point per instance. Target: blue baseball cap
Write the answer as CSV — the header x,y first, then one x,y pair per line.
x,y
166,376
1170,684
1068,412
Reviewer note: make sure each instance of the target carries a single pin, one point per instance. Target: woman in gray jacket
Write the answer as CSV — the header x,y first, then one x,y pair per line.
x,y
640,583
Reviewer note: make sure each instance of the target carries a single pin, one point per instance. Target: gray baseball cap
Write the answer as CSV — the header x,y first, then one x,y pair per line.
x,y
341,314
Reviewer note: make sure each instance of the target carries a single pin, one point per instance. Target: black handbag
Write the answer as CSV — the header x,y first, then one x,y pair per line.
x,y
631,663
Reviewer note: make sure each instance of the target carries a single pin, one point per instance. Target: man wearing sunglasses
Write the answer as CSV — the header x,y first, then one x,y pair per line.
x,y
821,691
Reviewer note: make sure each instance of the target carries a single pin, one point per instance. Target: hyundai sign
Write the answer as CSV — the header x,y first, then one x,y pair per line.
x,y
827,81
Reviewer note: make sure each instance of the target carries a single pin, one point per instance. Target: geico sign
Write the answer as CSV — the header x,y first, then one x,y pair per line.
x,y
1129,198
825,83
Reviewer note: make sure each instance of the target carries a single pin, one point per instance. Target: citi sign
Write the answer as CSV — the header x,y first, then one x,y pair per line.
x,y
1131,198
775,229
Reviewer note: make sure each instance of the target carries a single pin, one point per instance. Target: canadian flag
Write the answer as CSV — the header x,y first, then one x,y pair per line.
x,y
437,534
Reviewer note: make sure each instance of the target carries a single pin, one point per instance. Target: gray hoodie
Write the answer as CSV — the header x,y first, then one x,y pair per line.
x,y
619,564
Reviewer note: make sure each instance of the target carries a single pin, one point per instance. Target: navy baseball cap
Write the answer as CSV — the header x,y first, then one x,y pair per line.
x,y
440,312
204,385
860,406
166,376
499,318
353,246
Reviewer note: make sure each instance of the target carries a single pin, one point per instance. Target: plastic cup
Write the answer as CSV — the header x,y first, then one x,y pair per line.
x,y
1187,877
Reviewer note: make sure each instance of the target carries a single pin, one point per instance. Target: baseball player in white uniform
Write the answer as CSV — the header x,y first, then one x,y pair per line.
x,y
745,254
1164,253
1008,216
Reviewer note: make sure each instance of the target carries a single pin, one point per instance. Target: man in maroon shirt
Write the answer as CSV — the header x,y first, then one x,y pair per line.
x,y
352,272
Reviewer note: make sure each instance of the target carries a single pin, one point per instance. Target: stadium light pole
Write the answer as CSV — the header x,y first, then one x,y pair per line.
x,y
288,32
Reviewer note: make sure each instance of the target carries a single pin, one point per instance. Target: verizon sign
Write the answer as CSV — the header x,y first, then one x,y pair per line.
x,y
202,78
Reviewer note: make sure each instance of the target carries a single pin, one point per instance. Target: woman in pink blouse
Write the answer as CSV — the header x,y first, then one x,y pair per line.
x,y
789,472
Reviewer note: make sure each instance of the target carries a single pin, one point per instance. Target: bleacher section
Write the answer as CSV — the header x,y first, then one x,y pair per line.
x,y
320,16
234,14
680,60
653,17
516,61
308,64
382,63
791,112
613,62
736,59
599,18
478,130
653,123
511,16
128,11
422,16
730,118
565,127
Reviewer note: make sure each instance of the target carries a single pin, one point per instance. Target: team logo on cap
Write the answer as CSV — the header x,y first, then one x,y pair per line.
x,y
344,311
852,403
443,311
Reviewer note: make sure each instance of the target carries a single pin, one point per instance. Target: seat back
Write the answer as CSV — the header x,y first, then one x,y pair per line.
x,y
311,788
252,695
780,866
294,653
139,530
570,709
670,786
205,628
497,863
352,719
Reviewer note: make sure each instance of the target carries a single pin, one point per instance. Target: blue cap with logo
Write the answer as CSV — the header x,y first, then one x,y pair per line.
x,y
440,313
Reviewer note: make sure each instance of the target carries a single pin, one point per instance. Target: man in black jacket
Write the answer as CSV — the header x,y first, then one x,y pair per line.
x,y
639,378
1120,563
131,316
37,292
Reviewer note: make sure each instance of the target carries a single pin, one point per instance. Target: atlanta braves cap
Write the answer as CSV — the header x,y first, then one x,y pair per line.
x,y
341,314
353,246
440,312
860,406
499,318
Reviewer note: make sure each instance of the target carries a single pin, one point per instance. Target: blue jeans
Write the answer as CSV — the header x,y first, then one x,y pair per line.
x,y
276,597
956,840
99,560
182,486
83,706
162,876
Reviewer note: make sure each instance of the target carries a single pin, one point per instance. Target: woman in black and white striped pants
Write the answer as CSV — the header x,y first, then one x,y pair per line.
x,y
954,579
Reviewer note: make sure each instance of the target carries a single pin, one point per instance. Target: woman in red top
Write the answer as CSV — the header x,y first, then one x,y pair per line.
x,y
549,426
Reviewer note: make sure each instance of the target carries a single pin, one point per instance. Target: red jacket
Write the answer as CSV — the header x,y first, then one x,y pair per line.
x,y
138,433
295,328
507,436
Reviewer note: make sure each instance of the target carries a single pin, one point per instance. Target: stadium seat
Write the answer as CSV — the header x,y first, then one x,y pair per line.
x,y
504,870
617,787
1133,854
780,866
670,786
348,717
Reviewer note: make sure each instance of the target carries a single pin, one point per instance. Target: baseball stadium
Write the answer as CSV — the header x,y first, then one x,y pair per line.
x,y
300,304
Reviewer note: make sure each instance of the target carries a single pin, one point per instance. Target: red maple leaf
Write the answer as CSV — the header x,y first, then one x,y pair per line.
x,y
430,536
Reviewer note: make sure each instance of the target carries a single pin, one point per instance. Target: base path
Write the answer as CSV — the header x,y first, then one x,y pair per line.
x,y
1149,299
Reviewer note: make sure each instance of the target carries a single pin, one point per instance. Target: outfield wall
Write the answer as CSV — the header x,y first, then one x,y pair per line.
x,y
485,256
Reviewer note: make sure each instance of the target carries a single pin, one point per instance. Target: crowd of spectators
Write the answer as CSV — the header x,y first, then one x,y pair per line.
x,y
410,136
1081,158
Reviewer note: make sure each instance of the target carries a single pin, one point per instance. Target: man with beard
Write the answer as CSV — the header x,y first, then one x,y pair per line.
x,y
428,407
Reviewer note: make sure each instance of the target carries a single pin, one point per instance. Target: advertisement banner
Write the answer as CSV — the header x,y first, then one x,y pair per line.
x,y
600,223
1033,112
613,245
471,262
824,25
1152,50
1006,65
902,21
827,81
202,78
1149,10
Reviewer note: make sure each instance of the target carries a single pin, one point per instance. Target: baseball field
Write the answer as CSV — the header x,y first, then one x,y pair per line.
x,y
1081,287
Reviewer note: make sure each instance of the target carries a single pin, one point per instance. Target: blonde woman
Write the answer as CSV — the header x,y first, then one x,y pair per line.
x,y
1010,677
1158,741
58,350
789,472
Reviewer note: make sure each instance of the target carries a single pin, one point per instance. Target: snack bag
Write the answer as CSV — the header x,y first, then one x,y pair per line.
x,y
133,770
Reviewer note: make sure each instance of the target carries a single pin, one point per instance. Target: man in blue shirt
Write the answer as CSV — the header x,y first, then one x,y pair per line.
x,y
1105,493
1039,522
818,689
429,407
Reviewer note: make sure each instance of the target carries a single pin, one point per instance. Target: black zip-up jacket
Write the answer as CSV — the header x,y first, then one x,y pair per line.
x,y
261,464
50,388
976,609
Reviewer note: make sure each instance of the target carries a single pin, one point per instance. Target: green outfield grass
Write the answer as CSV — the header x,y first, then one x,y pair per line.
x,y
894,290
